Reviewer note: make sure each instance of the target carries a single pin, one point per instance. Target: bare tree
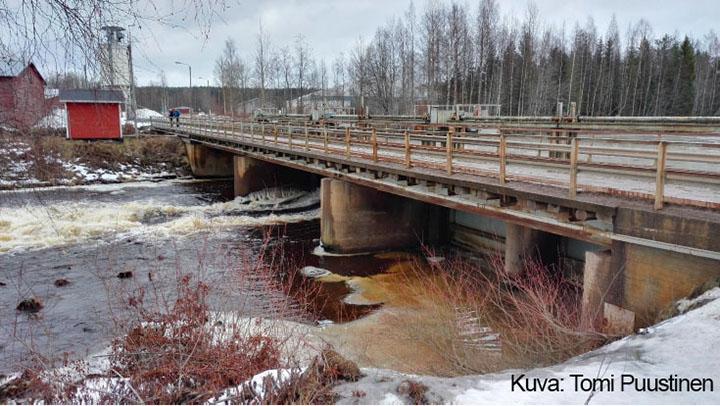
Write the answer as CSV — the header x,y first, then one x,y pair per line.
x,y
67,33
262,60
302,66
287,68
228,69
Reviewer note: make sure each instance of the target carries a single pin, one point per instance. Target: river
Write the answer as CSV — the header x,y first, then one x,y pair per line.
x,y
154,232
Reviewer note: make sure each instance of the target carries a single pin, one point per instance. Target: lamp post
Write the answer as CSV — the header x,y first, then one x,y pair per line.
x,y
191,88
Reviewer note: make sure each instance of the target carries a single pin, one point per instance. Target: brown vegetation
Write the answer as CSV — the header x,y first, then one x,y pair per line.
x,y
43,155
314,385
176,350
477,321
414,390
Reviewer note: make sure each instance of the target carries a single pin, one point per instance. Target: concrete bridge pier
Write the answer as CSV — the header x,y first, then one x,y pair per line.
x,y
358,219
524,243
208,162
251,175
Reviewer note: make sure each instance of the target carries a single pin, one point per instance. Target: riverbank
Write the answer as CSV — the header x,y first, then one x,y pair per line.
x,y
303,370
104,263
51,160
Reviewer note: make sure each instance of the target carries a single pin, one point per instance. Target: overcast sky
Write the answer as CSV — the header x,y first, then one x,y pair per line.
x,y
334,26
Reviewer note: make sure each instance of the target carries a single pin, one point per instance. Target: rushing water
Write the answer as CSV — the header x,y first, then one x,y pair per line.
x,y
158,232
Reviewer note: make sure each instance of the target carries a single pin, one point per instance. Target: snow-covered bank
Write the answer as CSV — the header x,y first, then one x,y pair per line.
x,y
679,352
36,161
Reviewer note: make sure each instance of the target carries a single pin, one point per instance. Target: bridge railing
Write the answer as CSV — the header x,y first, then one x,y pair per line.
x,y
637,165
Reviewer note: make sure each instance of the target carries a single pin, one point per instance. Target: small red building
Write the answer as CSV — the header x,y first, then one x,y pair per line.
x,y
22,98
93,113
184,110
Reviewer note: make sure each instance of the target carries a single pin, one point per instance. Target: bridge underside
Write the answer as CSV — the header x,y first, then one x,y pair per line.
x,y
635,261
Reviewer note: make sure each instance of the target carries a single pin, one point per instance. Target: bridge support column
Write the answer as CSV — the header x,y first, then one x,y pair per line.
x,y
252,174
602,283
208,162
524,243
359,219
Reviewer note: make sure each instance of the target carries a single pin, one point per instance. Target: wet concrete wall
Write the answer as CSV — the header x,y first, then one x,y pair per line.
x,y
359,219
653,279
209,162
251,175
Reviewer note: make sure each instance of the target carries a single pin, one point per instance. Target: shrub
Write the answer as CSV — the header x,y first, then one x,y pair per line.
x,y
177,350
483,320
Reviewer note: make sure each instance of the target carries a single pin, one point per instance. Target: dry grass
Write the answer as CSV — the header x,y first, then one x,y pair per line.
x,y
310,387
143,151
46,153
477,321
176,350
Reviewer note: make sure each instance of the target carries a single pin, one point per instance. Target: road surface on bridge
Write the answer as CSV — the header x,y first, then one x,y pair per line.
x,y
621,165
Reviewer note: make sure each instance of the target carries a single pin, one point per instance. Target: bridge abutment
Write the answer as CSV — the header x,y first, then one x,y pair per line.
x,y
652,279
360,219
208,162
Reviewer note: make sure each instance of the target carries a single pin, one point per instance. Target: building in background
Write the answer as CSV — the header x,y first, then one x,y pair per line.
x,y
22,98
116,69
93,113
184,110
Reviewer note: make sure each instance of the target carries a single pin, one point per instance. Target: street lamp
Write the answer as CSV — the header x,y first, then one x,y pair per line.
x,y
191,88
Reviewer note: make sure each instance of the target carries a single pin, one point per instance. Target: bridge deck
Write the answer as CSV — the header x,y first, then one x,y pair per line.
x,y
623,165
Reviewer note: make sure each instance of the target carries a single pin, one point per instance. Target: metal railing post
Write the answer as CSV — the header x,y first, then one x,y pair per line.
x,y
408,162
660,175
307,141
325,140
374,145
574,152
502,147
347,142
449,146
290,141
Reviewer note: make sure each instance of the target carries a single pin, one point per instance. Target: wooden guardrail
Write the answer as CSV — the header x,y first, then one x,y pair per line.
x,y
552,157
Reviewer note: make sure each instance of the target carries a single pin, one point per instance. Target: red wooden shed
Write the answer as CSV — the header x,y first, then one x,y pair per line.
x,y
92,113
184,110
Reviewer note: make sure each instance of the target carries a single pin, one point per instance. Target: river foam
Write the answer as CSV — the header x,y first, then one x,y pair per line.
x,y
71,222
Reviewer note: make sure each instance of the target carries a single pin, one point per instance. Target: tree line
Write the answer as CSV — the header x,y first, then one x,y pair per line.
x,y
450,53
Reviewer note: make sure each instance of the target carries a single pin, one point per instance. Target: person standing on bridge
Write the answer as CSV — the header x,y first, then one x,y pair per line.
x,y
176,114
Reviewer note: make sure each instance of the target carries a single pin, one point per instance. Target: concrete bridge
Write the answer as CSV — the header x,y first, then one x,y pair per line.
x,y
634,209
